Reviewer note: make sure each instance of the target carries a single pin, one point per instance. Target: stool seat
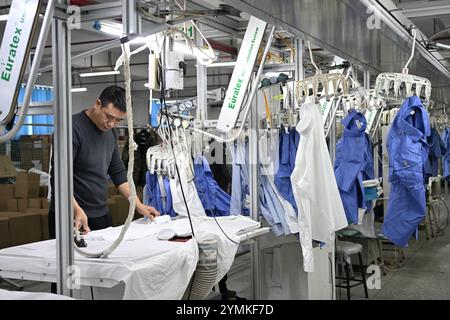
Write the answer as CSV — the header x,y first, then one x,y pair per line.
x,y
344,249
348,248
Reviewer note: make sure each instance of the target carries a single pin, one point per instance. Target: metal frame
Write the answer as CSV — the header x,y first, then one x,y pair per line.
x,y
63,161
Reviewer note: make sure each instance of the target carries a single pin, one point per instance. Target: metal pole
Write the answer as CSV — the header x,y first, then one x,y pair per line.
x,y
63,156
366,79
131,18
299,69
254,186
202,83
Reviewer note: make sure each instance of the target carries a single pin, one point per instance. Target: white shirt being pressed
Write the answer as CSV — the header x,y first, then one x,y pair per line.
x,y
321,212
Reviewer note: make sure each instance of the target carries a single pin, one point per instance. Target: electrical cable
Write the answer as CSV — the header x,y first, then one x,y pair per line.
x,y
332,277
441,230
164,109
92,293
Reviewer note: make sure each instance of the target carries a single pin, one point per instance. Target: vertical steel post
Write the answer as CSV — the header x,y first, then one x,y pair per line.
x,y
63,155
299,69
366,79
202,83
131,18
254,186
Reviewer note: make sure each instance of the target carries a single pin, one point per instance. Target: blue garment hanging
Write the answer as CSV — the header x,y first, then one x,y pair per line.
x,y
408,151
353,165
268,203
437,150
152,195
446,156
289,142
215,201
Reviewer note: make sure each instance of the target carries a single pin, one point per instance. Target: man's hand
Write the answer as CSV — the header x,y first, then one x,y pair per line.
x,y
81,220
147,211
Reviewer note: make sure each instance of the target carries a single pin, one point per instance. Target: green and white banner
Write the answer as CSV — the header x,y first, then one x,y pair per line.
x,y
241,74
13,51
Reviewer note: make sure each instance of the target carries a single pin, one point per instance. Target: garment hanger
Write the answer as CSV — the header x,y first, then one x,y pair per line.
x,y
413,85
330,82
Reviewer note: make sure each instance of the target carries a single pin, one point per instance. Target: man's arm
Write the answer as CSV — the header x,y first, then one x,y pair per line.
x,y
148,211
79,217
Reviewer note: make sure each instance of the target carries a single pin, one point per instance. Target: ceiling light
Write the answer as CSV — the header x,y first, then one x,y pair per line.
x,y
442,46
222,64
78,90
4,17
100,73
109,27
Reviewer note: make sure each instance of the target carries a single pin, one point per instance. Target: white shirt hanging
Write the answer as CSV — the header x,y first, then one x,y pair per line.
x,y
321,212
190,192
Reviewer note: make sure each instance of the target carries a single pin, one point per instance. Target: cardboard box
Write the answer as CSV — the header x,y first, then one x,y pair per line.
x,y
118,207
112,190
44,221
4,232
45,204
22,205
3,205
6,191
35,203
24,227
7,169
27,185
43,192
12,205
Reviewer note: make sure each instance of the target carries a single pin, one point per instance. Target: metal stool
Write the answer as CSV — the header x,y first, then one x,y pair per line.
x,y
344,250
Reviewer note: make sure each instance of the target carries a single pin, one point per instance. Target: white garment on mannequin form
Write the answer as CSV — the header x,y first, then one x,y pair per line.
x,y
321,212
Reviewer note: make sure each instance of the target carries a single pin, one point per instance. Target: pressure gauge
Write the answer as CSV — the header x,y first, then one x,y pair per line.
x,y
188,105
181,107
185,124
177,122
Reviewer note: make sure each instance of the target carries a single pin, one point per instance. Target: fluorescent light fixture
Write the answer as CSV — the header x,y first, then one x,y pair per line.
x,y
4,17
147,85
221,64
98,74
272,74
109,27
78,90
144,40
442,46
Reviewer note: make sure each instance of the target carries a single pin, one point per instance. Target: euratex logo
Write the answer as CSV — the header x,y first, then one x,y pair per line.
x,y
9,64
236,91
23,16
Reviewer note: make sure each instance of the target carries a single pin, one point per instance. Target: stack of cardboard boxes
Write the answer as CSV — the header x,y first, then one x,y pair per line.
x,y
23,211
35,152
24,207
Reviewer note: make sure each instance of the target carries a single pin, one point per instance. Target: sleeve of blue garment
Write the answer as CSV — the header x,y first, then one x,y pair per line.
x,y
284,146
203,191
339,152
369,171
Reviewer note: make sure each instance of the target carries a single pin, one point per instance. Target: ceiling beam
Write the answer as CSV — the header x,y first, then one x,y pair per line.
x,y
425,8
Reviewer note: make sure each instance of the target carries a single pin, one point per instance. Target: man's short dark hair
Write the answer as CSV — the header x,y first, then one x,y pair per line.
x,y
114,95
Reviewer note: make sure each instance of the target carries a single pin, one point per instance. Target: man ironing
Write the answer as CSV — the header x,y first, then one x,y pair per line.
x,y
95,157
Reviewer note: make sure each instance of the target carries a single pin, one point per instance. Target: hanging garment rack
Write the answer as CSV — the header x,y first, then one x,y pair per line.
x,y
402,85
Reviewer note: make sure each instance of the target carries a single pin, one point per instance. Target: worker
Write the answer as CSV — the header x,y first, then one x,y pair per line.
x,y
95,157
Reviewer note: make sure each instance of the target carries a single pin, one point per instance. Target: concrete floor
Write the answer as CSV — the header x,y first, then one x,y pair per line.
x,y
424,274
